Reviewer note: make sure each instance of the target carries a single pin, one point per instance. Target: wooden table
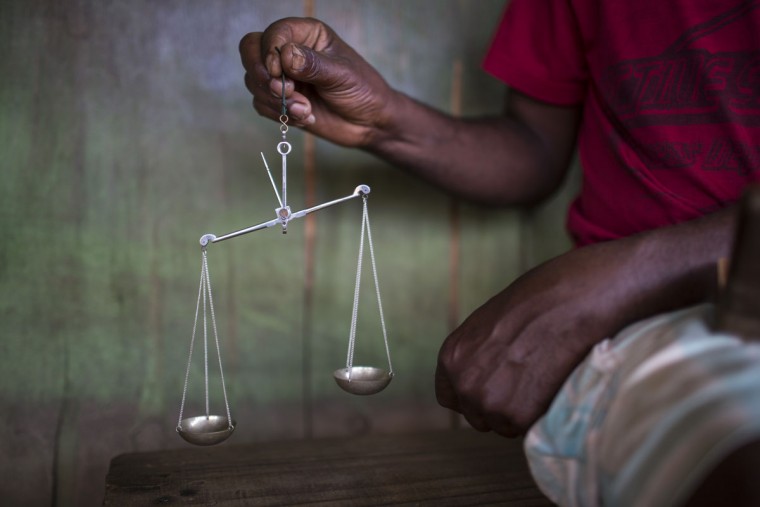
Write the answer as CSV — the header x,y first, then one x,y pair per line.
x,y
437,468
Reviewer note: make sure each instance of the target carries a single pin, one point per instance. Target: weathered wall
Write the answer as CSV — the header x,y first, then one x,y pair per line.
x,y
125,134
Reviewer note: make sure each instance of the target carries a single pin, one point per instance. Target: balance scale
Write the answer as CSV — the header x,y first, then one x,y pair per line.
x,y
211,429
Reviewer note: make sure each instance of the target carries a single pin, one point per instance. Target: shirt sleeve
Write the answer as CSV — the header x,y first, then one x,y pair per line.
x,y
538,50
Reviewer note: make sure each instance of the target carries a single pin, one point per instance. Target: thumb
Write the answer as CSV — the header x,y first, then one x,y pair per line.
x,y
302,63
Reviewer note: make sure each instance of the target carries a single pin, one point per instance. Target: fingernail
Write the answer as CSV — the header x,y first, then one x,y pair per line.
x,y
310,120
299,59
298,110
275,86
270,61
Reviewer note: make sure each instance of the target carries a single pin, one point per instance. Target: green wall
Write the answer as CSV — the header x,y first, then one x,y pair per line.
x,y
125,134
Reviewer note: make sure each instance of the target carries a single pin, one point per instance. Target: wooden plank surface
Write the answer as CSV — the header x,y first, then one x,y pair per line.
x,y
435,468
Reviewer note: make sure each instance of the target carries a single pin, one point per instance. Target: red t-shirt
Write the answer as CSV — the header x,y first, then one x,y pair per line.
x,y
671,101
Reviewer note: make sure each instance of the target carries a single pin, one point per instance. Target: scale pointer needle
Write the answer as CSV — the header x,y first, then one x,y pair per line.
x,y
274,186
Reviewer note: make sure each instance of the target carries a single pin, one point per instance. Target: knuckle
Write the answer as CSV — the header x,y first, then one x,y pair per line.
x,y
249,39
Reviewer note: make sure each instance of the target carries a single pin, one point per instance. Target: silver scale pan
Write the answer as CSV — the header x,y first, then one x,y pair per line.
x,y
205,429
364,379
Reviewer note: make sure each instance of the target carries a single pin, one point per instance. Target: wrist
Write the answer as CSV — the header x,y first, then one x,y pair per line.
x,y
388,130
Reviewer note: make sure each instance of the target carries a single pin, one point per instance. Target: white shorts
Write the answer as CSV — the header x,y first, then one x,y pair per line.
x,y
647,414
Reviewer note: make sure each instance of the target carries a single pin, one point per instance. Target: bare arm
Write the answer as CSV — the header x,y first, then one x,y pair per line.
x,y
518,158
502,367
332,92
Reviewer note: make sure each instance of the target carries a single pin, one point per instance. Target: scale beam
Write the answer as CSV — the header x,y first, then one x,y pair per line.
x,y
284,216
361,190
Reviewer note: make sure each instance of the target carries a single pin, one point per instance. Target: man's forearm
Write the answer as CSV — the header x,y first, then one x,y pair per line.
x,y
498,160
677,266
529,337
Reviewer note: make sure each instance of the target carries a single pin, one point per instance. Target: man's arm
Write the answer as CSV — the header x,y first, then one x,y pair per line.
x,y
518,158
334,93
502,367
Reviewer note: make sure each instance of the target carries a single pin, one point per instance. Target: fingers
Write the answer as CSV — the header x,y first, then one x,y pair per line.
x,y
471,406
306,50
250,51
477,422
450,398
266,90
305,32
257,78
262,62
484,414
447,397
298,105
470,390
444,391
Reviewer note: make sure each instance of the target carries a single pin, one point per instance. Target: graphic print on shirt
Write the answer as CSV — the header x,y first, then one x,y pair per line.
x,y
692,84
